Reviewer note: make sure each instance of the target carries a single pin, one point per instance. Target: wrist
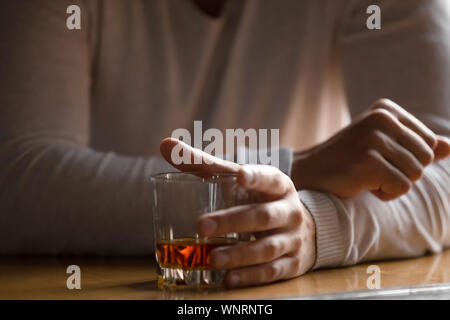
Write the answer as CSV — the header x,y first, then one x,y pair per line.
x,y
303,172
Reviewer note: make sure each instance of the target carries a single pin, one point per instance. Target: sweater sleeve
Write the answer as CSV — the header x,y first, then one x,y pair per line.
x,y
57,195
408,61
365,228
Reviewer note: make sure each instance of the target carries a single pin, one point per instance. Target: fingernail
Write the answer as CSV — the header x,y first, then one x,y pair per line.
x,y
208,226
220,259
233,280
249,177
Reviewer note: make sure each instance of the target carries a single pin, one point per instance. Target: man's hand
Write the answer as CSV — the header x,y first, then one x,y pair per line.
x,y
284,229
383,151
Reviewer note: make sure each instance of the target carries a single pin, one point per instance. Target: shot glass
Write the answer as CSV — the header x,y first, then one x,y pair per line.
x,y
179,199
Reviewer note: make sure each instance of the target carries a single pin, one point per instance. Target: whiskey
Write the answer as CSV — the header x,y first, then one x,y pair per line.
x,y
189,253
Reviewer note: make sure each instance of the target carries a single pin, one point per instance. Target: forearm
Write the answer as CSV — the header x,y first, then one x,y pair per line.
x,y
56,194
57,197
365,228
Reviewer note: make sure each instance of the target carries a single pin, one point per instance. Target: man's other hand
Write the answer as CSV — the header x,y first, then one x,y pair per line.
x,y
384,151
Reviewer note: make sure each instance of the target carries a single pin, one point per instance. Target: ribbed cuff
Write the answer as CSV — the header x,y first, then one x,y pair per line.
x,y
329,240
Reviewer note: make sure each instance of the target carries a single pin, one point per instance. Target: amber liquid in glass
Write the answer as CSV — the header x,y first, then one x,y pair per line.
x,y
189,253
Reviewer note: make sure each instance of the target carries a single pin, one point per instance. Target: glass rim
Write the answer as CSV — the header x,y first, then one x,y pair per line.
x,y
190,176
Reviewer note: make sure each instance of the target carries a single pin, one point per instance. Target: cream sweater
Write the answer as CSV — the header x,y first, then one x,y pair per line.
x,y
82,111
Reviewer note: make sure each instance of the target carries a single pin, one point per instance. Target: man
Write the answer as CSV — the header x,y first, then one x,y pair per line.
x,y
83,112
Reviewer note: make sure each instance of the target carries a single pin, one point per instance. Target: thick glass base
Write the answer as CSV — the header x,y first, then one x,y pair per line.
x,y
190,278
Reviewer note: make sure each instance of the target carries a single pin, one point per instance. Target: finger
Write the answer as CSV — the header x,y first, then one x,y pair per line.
x,y
391,183
188,159
412,142
399,157
249,218
256,252
442,149
280,269
409,121
385,121
265,179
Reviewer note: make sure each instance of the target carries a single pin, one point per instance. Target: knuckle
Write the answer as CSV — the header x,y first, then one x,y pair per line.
x,y
364,164
271,249
272,272
382,103
296,265
291,211
278,181
296,216
266,217
370,158
375,138
297,242
270,214
379,116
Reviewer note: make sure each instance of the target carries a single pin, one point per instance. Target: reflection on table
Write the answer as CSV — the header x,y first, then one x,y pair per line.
x,y
135,278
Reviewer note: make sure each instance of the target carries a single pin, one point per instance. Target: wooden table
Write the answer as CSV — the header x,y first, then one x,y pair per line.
x,y
133,278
